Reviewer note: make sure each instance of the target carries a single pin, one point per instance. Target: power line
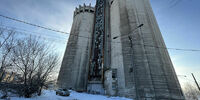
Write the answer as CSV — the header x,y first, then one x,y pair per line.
x,y
175,3
16,28
186,78
35,25
41,37
39,26
178,49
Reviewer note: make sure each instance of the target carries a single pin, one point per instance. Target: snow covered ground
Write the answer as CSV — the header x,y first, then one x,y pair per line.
x,y
51,95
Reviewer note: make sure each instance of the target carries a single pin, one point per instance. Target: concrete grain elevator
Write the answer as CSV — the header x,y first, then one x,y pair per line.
x,y
117,49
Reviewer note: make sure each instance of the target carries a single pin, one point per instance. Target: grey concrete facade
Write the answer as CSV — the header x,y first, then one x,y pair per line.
x,y
141,70
76,59
145,71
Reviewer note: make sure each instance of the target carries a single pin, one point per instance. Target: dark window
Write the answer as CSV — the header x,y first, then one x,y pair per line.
x,y
86,10
131,70
91,11
114,73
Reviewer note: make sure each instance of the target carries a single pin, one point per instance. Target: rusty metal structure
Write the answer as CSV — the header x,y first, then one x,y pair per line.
x,y
96,67
97,54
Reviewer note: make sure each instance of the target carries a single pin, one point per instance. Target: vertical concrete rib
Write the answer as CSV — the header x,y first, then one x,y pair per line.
x,y
116,47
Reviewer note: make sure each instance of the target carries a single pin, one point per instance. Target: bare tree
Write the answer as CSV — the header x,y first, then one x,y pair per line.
x,y
31,59
34,61
5,35
191,92
6,44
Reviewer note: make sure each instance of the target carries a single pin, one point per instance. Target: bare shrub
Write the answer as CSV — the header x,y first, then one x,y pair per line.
x,y
191,92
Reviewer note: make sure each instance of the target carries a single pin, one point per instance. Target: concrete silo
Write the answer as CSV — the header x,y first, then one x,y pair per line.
x,y
143,66
74,68
136,64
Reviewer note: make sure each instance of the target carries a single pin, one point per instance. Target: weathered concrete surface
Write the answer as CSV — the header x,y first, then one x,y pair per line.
x,y
141,70
74,69
144,71
116,48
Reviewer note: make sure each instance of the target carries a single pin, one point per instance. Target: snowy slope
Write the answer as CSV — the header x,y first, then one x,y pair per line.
x,y
51,95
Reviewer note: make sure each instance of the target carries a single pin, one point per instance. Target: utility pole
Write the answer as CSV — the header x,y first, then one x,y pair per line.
x,y
196,81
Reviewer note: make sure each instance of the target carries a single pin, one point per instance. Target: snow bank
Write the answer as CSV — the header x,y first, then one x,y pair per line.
x,y
51,95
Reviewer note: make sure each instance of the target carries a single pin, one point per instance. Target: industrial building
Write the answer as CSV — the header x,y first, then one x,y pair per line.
x,y
116,48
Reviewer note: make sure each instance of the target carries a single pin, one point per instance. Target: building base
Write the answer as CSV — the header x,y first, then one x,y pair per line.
x,y
95,87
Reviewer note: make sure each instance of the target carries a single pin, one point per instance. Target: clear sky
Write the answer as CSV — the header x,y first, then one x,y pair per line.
x,y
179,22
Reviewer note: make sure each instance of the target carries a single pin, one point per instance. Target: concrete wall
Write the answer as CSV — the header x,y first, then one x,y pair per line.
x,y
74,69
145,69
117,61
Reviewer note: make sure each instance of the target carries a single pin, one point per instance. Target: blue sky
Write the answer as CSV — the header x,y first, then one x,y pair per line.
x,y
179,22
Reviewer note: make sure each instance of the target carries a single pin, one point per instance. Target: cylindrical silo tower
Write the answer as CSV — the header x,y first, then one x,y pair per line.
x,y
143,66
74,69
